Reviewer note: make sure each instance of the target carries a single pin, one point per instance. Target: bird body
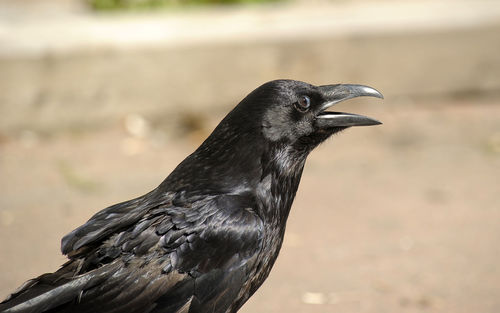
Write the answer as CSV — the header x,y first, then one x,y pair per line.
x,y
207,237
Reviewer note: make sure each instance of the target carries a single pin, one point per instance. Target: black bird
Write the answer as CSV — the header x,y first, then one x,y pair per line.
x,y
206,238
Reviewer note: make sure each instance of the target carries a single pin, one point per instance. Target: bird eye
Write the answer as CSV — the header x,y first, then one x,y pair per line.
x,y
303,104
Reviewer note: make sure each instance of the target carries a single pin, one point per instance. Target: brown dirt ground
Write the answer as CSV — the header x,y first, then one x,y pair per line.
x,y
404,217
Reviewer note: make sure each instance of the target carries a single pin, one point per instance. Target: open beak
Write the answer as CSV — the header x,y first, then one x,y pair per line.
x,y
336,93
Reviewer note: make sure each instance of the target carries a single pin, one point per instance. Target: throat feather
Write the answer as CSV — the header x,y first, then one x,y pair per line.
x,y
279,183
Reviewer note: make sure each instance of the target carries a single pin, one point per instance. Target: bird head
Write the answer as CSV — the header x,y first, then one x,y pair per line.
x,y
295,113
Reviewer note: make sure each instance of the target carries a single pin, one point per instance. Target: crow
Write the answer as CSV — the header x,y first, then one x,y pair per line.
x,y
207,237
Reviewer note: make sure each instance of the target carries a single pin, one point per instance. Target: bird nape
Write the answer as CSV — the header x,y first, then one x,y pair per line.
x,y
206,238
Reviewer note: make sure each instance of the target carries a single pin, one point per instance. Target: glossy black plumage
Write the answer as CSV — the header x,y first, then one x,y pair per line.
x,y
207,237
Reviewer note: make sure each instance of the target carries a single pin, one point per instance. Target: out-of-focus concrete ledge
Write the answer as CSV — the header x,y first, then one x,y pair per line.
x,y
60,68
57,32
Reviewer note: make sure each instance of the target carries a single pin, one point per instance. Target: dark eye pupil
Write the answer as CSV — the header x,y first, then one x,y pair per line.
x,y
305,102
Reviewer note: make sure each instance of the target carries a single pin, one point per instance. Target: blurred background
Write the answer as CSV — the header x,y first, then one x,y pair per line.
x,y
101,99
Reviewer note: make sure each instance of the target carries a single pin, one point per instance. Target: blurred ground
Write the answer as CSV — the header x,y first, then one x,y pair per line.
x,y
403,217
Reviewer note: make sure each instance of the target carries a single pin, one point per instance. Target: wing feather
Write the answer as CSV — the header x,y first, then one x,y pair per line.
x,y
152,258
